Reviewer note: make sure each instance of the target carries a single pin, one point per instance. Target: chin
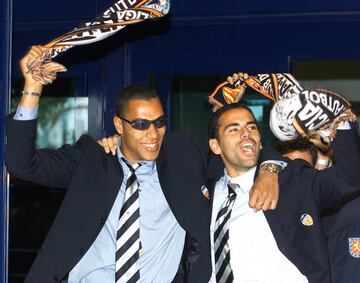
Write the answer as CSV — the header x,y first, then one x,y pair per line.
x,y
150,157
250,163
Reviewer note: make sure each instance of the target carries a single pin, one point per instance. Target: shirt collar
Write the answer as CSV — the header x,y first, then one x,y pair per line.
x,y
245,181
145,164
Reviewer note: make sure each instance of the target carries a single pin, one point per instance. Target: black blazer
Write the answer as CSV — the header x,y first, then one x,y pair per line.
x,y
305,191
92,179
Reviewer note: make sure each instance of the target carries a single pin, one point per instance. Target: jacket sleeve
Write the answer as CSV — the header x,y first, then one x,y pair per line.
x,y
332,184
268,153
46,167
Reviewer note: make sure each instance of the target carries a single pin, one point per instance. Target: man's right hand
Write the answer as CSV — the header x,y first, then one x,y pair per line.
x,y
33,85
47,69
236,76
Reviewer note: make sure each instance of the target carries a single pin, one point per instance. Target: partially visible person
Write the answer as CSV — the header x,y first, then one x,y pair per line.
x,y
287,244
299,148
341,222
344,244
302,148
343,235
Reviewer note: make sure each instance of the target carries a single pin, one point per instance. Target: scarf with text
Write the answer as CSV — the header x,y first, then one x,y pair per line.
x,y
115,18
296,110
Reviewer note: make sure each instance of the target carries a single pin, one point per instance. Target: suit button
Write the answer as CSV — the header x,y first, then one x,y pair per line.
x,y
102,221
56,279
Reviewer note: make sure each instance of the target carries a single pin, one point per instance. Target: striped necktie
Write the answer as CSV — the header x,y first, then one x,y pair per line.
x,y
128,243
223,269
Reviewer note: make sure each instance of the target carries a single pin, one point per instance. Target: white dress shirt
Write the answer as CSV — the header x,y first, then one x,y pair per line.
x,y
254,255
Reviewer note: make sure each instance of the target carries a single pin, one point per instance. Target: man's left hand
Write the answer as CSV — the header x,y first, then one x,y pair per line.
x,y
109,144
264,194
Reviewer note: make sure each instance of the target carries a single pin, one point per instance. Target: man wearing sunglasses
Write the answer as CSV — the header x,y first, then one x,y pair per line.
x,y
144,124
85,241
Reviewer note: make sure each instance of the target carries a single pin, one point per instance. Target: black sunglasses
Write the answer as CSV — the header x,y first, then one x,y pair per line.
x,y
144,124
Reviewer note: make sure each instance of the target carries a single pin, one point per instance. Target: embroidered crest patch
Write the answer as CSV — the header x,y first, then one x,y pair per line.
x,y
307,220
354,247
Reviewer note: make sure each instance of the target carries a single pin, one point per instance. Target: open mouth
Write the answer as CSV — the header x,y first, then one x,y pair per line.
x,y
248,147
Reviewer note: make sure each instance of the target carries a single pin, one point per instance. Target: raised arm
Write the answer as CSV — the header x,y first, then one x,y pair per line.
x,y
343,178
46,167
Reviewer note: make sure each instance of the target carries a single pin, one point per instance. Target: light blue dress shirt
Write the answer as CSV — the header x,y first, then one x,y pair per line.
x,y
161,236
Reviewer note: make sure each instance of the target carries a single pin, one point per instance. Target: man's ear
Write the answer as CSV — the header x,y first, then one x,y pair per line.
x,y
261,147
118,125
214,146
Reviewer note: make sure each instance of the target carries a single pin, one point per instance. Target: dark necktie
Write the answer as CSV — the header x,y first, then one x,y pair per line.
x,y
223,269
128,243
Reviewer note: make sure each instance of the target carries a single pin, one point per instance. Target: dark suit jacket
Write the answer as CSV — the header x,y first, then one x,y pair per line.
x,y
344,244
92,179
304,191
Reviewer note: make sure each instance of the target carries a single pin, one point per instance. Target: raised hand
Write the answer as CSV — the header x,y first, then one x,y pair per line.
x,y
237,78
36,70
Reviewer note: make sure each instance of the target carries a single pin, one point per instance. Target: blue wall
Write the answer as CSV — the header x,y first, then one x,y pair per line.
x,y
198,37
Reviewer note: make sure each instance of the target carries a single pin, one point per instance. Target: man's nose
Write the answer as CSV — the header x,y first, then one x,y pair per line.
x,y
152,131
244,133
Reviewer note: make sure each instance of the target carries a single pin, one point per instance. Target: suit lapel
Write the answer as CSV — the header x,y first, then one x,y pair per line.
x,y
212,184
114,176
281,220
275,218
163,177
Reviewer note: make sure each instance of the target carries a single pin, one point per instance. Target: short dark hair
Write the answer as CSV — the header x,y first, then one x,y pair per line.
x,y
213,129
130,93
300,143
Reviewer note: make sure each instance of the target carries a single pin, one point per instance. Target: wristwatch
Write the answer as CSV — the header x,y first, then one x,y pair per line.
x,y
271,168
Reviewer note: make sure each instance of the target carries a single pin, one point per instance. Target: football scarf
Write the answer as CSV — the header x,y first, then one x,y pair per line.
x,y
115,18
318,110
313,113
272,86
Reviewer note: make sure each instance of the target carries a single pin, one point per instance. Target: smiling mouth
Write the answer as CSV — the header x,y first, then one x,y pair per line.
x,y
151,146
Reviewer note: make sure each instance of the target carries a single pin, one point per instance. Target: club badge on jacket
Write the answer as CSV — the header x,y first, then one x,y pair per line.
x,y
205,191
354,247
307,220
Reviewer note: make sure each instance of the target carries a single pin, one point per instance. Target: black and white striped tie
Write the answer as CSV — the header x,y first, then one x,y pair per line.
x,y
128,243
223,269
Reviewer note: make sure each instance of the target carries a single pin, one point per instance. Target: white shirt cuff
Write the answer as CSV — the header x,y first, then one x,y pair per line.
x,y
283,164
25,114
345,126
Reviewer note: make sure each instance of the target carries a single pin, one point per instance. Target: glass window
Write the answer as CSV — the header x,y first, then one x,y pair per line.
x,y
190,109
62,117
